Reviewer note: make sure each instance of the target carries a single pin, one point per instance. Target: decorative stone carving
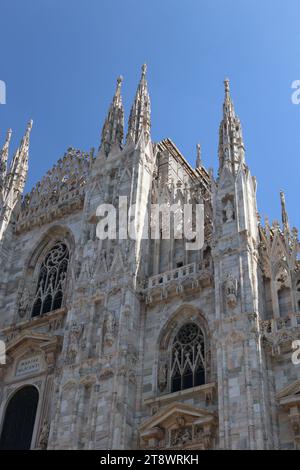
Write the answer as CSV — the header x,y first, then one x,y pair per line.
x,y
277,340
162,376
204,434
289,401
76,331
295,422
44,436
282,279
24,303
229,211
179,426
60,192
181,436
231,290
109,329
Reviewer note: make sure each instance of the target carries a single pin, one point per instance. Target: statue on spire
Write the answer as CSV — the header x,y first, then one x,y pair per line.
x,y
284,215
226,83
198,160
144,70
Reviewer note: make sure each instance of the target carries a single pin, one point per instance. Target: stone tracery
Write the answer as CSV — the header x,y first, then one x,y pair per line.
x,y
51,281
188,358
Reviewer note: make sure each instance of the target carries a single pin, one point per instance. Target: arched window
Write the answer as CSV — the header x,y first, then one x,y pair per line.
x,y
51,280
284,301
19,419
188,358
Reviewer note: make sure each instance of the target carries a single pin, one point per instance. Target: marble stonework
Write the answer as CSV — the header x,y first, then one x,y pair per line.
x,y
101,356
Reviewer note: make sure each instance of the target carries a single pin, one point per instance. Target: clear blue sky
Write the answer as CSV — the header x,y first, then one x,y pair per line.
x,y
60,60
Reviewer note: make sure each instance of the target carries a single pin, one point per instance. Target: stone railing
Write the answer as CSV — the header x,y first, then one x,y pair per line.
x,y
181,280
168,276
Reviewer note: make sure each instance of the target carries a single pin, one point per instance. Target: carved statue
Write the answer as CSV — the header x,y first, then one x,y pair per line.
x,y
162,376
295,421
203,435
109,328
75,334
24,302
229,212
231,290
44,435
181,436
282,278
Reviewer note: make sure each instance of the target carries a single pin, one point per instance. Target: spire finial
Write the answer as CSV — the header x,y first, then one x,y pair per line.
x,y
198,160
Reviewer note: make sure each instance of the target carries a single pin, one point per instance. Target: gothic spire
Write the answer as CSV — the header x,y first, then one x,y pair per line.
x,y
113,128
198,160
19,166
231,145
284,215
4,157
139,119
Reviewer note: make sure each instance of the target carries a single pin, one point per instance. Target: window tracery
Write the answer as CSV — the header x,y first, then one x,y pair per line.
x,y
188,358
51,280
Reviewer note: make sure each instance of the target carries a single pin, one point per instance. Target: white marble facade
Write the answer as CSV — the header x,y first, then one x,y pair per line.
x,y
129,344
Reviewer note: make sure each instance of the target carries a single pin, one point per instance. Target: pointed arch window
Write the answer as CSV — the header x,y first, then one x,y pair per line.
x,y
19,419
51,280
188,358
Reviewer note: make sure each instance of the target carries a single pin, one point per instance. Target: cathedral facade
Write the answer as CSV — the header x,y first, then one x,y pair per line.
x,y
140,343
